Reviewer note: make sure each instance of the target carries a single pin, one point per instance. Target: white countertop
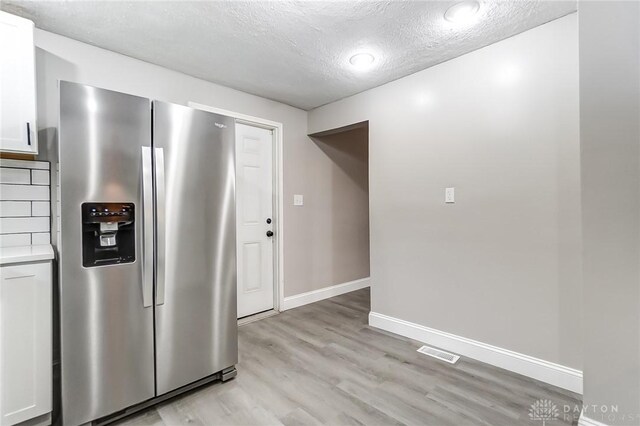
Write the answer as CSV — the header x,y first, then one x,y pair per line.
x,y
9,255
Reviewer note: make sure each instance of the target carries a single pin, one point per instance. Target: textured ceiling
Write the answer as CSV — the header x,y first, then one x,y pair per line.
x,y
293,52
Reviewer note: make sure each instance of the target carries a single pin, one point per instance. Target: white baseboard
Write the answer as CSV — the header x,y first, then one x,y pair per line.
x,y
323,293
586,421
545,371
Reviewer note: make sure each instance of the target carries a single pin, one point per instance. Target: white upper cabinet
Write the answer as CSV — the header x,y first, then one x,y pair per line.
x,y
18,131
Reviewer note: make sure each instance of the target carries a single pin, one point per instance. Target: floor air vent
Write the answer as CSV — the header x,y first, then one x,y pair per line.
x,y
441,355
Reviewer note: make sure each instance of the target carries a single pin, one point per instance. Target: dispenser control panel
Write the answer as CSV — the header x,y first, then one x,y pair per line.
x,y
108,233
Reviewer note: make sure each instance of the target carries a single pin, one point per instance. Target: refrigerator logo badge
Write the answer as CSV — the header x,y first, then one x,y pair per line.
x,y
221,126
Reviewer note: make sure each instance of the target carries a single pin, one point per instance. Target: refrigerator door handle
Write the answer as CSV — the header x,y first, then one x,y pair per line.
x,y
147,223
160,221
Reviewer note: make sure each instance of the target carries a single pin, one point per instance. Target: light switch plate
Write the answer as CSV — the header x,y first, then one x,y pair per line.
x,y
298,200
450,195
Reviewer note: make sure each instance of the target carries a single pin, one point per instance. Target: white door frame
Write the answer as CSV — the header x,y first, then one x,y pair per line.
x,y
278,186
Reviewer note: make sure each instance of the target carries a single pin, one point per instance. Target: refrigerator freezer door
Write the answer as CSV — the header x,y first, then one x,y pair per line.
x,y
196,325
106,332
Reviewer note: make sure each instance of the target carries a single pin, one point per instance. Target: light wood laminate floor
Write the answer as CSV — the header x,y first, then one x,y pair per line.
x,y
322,364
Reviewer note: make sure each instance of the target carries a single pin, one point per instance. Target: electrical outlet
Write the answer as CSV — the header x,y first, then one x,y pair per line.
x,y
450,195
298,200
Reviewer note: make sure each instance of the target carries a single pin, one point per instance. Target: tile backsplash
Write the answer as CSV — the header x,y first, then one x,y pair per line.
x,y
25,212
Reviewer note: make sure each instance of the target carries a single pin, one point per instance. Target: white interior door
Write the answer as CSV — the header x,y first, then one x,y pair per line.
x,y
254,219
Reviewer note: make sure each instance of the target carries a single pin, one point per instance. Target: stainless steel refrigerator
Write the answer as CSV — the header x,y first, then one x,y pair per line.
x,y
147,250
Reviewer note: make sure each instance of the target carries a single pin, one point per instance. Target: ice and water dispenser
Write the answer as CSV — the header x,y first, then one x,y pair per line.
x,y
108,234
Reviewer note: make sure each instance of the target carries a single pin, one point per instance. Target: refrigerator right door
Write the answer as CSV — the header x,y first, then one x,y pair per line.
x,y
195,297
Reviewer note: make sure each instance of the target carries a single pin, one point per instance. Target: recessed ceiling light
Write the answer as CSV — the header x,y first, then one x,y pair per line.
x,y
362,61
462,12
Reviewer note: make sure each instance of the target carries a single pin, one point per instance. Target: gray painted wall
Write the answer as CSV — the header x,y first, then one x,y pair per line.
x,y
610,145
502,265
318,238
59,57
342,208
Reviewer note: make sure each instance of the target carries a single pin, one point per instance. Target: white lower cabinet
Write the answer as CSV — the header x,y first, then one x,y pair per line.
x,y
25,341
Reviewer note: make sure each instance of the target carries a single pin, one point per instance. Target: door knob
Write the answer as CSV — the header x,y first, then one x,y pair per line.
x,y
269,233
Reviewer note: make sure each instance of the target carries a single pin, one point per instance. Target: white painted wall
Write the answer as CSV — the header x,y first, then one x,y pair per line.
x,y
502,265
610,145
